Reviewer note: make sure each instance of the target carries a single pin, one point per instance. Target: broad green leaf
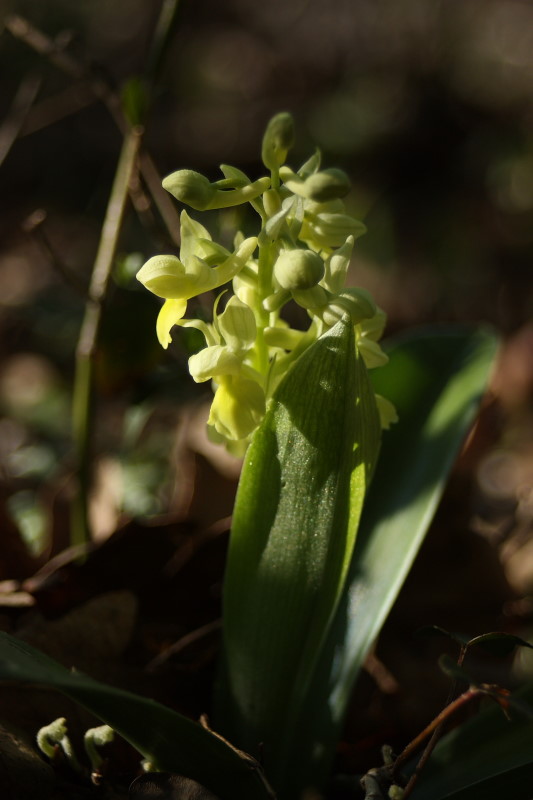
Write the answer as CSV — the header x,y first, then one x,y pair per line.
x,y
487,758
167,739
295,520
436,380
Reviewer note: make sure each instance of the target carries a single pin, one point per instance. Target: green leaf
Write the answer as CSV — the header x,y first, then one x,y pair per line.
x,y
167,739
436,380
295,520
487,758
495,642
498,644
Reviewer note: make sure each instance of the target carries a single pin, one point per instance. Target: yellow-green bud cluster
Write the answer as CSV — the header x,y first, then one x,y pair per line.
x,y
301,254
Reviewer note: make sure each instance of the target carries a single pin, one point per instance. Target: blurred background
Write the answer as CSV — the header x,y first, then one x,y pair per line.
x,y
429,108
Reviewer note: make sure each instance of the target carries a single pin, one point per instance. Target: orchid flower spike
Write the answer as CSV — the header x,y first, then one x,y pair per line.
x,y
300,254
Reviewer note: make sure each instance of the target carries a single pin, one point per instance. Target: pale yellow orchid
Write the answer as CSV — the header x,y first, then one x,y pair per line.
x,y
304,249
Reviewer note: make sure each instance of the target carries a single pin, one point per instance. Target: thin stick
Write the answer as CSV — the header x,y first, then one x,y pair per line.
x,y
86,349
183,643
440,719
435,736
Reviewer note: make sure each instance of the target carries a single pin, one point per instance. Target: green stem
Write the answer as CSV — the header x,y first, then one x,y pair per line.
x,y
82,410
265,268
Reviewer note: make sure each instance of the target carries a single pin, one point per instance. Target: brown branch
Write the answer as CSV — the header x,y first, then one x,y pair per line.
x,y
444,716
435,736
183,643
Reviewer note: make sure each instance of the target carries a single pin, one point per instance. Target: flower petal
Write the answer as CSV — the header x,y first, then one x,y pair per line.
x,y
212,362
172,311
373,355
190,232
387,412
167,277
237,325
238,407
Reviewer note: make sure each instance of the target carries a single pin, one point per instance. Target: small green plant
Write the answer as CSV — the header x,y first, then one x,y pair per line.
x,y
323,531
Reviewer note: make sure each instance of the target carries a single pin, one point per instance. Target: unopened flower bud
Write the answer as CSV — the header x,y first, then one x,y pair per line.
x,y
329,184
298,269
277,141
327,231
190,187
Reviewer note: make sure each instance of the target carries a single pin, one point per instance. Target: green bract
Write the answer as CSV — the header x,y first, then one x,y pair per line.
x,y
301,254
